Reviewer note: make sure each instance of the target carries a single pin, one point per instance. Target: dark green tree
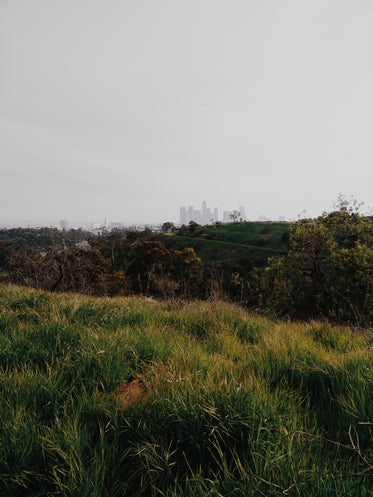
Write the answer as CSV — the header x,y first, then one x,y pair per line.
x,y
167,227
328,271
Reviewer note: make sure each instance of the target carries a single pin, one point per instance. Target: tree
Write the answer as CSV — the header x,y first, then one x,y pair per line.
x,y
235,215
193,226
167,227
186,269
146,264
328,271
156,270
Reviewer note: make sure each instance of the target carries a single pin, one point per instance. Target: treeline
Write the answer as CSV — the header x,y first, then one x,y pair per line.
x,y
45,237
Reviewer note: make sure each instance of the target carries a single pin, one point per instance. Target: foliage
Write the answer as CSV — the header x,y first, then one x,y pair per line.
x,y
328,271
167,227
44,238
151,265
67,269
114,266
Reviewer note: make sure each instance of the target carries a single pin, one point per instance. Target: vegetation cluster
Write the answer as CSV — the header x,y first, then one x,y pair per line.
x,y
236,404
117,264
44,238
328,271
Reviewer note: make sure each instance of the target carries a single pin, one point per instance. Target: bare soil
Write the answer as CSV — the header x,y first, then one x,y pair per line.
x,y
132,393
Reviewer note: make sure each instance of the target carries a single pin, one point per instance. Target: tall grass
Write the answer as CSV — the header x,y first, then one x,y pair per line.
x,y
237,405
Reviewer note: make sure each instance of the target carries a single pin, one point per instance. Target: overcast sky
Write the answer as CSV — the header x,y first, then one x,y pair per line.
x,y
130,108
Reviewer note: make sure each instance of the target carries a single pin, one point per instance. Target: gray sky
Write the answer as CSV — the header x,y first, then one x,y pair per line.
x,y
130,108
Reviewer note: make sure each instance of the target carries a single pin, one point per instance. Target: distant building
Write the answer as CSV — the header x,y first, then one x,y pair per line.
x,y
242,212
198,217
226,216
190,214
204,216
183,215
64,224
216,214
208,216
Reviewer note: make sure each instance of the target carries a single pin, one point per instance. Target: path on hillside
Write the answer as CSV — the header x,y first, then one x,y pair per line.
x,y
222,242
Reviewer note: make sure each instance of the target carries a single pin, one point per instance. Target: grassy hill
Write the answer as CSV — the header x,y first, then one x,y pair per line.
x,y
272,237
258,234
132,397
234,248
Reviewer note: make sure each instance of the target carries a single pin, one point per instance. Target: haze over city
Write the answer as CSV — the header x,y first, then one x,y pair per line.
x,y
129,110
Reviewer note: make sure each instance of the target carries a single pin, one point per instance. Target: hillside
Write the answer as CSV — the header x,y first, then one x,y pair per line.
x,y
234,248
133,396
256,234
259,240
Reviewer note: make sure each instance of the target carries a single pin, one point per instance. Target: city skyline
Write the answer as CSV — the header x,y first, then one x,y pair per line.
x,y
205,215
209,215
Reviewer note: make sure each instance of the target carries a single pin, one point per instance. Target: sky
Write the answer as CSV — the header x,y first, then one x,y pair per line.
x,y
129,109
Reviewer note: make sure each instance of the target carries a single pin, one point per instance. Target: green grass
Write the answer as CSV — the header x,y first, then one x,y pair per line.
x,y
238,405
255,234
234,248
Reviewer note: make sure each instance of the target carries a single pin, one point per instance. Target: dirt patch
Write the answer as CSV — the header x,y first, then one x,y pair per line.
x,y
132,393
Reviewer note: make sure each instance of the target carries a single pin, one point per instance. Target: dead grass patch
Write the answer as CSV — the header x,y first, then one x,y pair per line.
x,y
132,393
